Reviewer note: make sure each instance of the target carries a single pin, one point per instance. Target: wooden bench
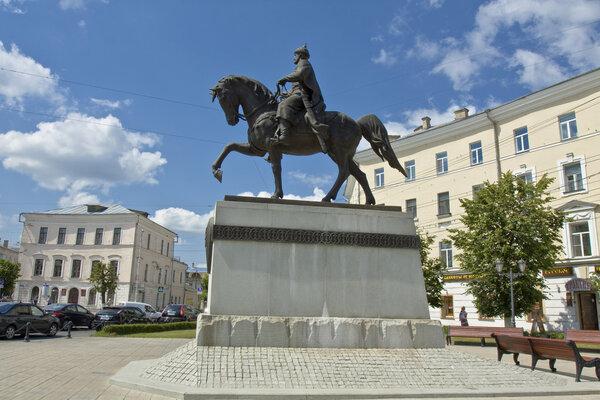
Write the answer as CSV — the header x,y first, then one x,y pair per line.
x,y
546,349
481,332
583,336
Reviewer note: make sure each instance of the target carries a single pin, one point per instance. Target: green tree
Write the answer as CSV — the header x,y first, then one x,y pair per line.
x,y
508,220
103,279
204,285
9,273
433,271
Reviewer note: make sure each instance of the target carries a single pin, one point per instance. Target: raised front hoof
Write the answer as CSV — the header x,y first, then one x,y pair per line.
x,y
218,174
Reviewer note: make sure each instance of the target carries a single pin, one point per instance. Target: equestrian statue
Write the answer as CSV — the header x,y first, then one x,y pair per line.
x,y
299,125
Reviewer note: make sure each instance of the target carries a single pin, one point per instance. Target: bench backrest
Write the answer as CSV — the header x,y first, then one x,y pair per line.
x,y
554,348
582,334
513,344
487,330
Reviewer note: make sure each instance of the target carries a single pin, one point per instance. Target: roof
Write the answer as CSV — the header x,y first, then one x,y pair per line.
x,y
94,209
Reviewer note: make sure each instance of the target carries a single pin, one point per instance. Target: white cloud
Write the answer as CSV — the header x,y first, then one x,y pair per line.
x,y
82,152
72,4
11,6
398,25
111,104
311,179
436,3
25,77
73,198
566,32
317,195
536,71
385,58
81,24
179,219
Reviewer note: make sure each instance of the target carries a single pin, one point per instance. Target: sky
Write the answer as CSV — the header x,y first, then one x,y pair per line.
x,y
107,102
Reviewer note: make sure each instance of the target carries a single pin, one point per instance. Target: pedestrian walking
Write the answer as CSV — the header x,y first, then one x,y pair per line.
x,y
463,317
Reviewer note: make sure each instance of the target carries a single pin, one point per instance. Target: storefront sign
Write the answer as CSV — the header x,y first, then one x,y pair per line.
x,y
578,285
597,269
458,277
565,271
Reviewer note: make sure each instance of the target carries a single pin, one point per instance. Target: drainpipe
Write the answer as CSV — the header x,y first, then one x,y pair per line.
x,y
496,143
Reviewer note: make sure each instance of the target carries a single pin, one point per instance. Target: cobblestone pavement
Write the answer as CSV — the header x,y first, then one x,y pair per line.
x,y
283,368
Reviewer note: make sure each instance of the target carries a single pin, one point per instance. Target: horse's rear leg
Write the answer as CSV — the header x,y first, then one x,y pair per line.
x,y
361,178
343,172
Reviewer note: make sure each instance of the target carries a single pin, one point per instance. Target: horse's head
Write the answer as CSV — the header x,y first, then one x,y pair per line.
x,y
228,100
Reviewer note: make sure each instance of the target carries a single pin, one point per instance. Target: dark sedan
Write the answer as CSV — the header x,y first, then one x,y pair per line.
x,y
78,315
15,316
179,313
119,315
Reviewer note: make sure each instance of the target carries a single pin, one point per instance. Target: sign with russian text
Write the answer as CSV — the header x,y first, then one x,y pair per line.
x,y
578,285
457,277
564,271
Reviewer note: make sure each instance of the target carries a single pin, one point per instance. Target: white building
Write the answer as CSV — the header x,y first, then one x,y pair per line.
x,y
554,131
59,247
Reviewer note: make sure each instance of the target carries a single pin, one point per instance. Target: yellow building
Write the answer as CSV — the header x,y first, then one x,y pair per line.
x,y
554,131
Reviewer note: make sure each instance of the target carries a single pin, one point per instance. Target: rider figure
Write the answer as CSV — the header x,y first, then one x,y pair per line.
x,y
305,95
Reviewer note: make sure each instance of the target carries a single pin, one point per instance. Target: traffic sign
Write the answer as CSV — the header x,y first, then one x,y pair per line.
x,y
199,290
1,281
161,289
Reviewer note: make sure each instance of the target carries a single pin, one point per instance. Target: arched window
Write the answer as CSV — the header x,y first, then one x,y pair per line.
x,y
54,295
35,294
92,297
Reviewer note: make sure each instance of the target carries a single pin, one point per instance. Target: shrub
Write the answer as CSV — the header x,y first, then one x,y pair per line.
x,y
144,328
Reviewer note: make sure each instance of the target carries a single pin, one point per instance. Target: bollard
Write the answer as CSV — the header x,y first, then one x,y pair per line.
x,y
27,331
69,324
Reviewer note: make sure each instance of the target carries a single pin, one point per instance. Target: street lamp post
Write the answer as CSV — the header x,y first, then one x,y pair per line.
x,y
511,275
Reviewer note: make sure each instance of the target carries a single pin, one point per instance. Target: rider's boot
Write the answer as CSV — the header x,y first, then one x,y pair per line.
x,y
282,133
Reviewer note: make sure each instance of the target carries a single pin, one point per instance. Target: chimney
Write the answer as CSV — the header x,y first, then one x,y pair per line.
x,y
426,123
461,114
6,243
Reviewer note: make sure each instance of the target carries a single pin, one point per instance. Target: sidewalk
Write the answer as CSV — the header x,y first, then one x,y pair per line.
x,y
80,368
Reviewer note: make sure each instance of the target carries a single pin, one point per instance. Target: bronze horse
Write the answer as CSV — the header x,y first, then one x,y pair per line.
x,y
259,106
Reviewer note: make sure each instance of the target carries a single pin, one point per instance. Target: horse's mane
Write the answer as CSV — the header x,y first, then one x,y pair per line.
x,y
256,86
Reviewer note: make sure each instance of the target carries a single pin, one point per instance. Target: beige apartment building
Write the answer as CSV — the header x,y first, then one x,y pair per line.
x,y
59,248
554,131
9,253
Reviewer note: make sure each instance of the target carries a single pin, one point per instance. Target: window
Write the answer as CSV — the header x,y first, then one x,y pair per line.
x,y
444,203
568,126
521,140
80,235
159,274
411,207
409,167
162,246
476,153
441,162
94,264
148,245
581,246
527,176
168,247
146,274
92,297
57,272
476,189
379,177
447,307
99,235
43,235
38,268
573,177
166,275
117,236
76,269
115,266
62,233
446,253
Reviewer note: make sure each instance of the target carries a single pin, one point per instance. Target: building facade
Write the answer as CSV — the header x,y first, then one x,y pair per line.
x,y
9,253
554,131
59,248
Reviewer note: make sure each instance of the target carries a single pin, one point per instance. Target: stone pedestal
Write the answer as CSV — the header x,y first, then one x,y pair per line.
x,y
305,274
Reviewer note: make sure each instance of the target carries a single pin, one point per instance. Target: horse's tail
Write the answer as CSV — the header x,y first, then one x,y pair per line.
x,y
374,131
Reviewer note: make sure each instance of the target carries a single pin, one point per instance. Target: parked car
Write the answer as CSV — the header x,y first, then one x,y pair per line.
x,y
78,315
114,315
146,308
15,316
179,313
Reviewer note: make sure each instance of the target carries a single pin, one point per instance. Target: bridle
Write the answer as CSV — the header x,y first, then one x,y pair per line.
x,y
244,117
